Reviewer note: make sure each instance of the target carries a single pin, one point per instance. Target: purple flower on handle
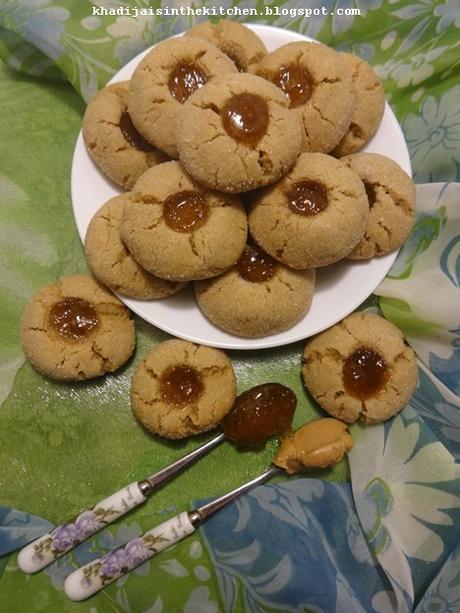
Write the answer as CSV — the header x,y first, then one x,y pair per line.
x,y
86,524
64,537
113,563
136,551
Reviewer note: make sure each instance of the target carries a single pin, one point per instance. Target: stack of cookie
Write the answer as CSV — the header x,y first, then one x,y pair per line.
x,y
231,154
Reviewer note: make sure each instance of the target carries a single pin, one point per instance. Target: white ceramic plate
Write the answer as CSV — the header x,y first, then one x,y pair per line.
x,y
340,288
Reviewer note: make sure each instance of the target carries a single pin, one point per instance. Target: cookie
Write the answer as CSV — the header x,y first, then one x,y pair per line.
x,y
76,329
361,369
178,230
319,87
257,297
391,196
312,217
111,262
369,108
238,42
181,389
164,80
237,133
111,139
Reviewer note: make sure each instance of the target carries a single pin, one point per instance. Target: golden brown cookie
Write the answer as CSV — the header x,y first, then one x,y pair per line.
x,y
76,329
164,80
391,196
181,389
369,108
237,133
111,139
234,39
257,297
361,369
319,87
180,231
312,217
111,262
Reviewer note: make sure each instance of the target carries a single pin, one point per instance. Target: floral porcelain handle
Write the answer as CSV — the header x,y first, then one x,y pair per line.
x,y
94,576
41,552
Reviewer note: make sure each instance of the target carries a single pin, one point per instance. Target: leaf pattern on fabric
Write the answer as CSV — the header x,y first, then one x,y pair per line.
x,y
315,518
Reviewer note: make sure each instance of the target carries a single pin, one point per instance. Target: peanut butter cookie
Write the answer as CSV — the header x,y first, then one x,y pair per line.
x,y
319,87
237,133
361,369
238,42
391,196
312,217
111,262
164,80
111,139
178,230
369,108
257,297
76,329
181,389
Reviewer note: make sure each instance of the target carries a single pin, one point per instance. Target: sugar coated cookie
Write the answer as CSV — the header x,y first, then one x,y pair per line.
x,y
164,80
180,231
257,297
111,262
238,42
111,139
319,87
181,389
391,196
76,329
360,368
237,133
312,217
369,108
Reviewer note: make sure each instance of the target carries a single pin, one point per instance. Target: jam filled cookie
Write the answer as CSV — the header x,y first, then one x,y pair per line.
x,y
111,262
237,133
391,196
178,230
111,139
319,87
257,297
164,80
238,42
181,389
312,217
370,105
360,368
76,329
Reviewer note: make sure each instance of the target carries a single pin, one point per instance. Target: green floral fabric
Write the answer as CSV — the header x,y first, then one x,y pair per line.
x,y
62,447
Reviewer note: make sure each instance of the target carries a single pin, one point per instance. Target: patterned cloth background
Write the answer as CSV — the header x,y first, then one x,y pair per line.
x,y
379,534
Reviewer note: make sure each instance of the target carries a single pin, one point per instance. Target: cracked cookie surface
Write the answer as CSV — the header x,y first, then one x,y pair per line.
x,y
391,196
111,262
202,249
369,108
181,389
360,368
271,303
111,140
234,39
314,216
320,89
164,79
237,133
76,329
